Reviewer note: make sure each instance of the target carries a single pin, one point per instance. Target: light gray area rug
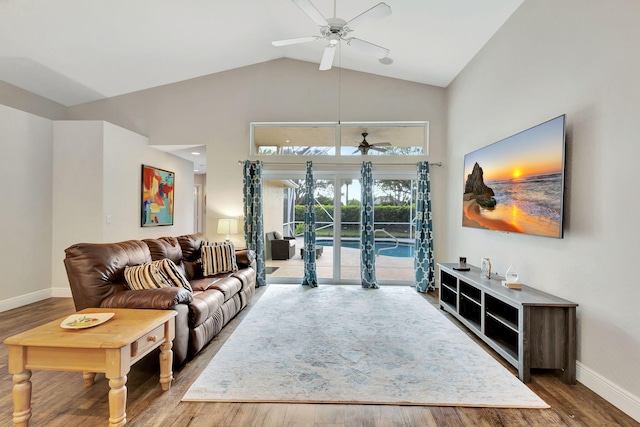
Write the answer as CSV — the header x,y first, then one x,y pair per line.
x,y
346,344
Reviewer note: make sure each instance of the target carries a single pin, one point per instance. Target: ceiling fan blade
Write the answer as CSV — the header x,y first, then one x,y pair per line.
x,y
370,48
295,41
311,11
376,12
327,57
373,147
381,144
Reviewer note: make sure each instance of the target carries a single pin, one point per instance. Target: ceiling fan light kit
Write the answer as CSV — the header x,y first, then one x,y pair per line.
x,y
335,29
365,146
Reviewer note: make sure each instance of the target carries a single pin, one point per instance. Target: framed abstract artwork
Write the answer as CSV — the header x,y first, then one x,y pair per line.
x,y
157,196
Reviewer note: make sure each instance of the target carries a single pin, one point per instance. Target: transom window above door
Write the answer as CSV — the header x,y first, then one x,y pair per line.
x,y
340,139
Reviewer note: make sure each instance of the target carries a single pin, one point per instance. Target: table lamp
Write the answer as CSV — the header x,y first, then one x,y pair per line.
x,y
227,226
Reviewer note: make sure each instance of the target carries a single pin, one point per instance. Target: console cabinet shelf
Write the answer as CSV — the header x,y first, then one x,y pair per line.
x,y
529,328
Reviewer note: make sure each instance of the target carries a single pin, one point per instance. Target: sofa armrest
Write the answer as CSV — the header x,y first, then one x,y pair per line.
x,y
246,258
158,299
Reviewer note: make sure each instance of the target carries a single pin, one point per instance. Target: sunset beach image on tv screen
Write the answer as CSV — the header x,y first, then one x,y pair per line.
x,y
516,184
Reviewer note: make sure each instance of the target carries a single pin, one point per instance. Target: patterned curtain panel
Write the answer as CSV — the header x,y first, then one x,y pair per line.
x,y
367,238
310,275
253,225
423,261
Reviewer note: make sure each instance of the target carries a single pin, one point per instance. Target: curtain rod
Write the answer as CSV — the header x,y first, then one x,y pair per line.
x,y
241,162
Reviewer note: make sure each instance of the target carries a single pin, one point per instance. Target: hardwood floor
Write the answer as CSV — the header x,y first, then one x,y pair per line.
x,y
61,399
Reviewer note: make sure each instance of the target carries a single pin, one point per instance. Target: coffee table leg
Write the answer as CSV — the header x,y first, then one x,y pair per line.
x,y
117,401
166,360
89,378
22,398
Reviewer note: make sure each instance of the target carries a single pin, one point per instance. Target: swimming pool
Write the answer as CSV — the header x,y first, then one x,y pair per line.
x,y
404,250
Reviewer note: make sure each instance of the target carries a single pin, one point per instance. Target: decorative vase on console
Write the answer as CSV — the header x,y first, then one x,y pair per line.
x,y
485,268
511,276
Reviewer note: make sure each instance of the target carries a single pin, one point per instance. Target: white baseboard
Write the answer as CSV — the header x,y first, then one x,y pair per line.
x,y
617,396
19,301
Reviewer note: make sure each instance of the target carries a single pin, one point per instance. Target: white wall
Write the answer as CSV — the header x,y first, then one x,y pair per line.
x,y
216,111
124,154
26,174
60,181
580,58
97,187
77,191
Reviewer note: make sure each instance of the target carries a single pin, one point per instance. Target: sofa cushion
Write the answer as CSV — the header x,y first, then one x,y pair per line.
x,y
190,244
155,299
247,276
219,257
229,286
204,305
203,283
165,247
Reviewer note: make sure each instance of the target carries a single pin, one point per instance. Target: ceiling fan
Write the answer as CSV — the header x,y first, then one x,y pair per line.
x,y
336,29
365,146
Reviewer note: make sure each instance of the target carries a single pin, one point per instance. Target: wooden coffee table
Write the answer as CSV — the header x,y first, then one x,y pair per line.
x,y
111,347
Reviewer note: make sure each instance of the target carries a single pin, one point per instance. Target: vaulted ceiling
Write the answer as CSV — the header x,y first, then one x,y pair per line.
x,y
76,51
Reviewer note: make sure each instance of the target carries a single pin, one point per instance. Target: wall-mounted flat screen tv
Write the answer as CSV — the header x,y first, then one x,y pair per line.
x,y
517,184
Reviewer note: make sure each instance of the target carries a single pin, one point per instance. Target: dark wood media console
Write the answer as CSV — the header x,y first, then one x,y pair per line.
x,y
528,328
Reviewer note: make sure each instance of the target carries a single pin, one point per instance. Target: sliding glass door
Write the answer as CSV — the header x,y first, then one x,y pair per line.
x,y
394,215
337,204
324,197
348,240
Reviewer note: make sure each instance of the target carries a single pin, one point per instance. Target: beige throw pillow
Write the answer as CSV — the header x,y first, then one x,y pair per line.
x,y
218,257
154,275
174,274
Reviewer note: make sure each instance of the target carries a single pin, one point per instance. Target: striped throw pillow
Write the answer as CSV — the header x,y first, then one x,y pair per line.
x,y
218,257
145,276
154,275
174,275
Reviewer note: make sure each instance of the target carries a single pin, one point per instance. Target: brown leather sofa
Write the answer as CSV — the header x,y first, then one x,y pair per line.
x,y
96,277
